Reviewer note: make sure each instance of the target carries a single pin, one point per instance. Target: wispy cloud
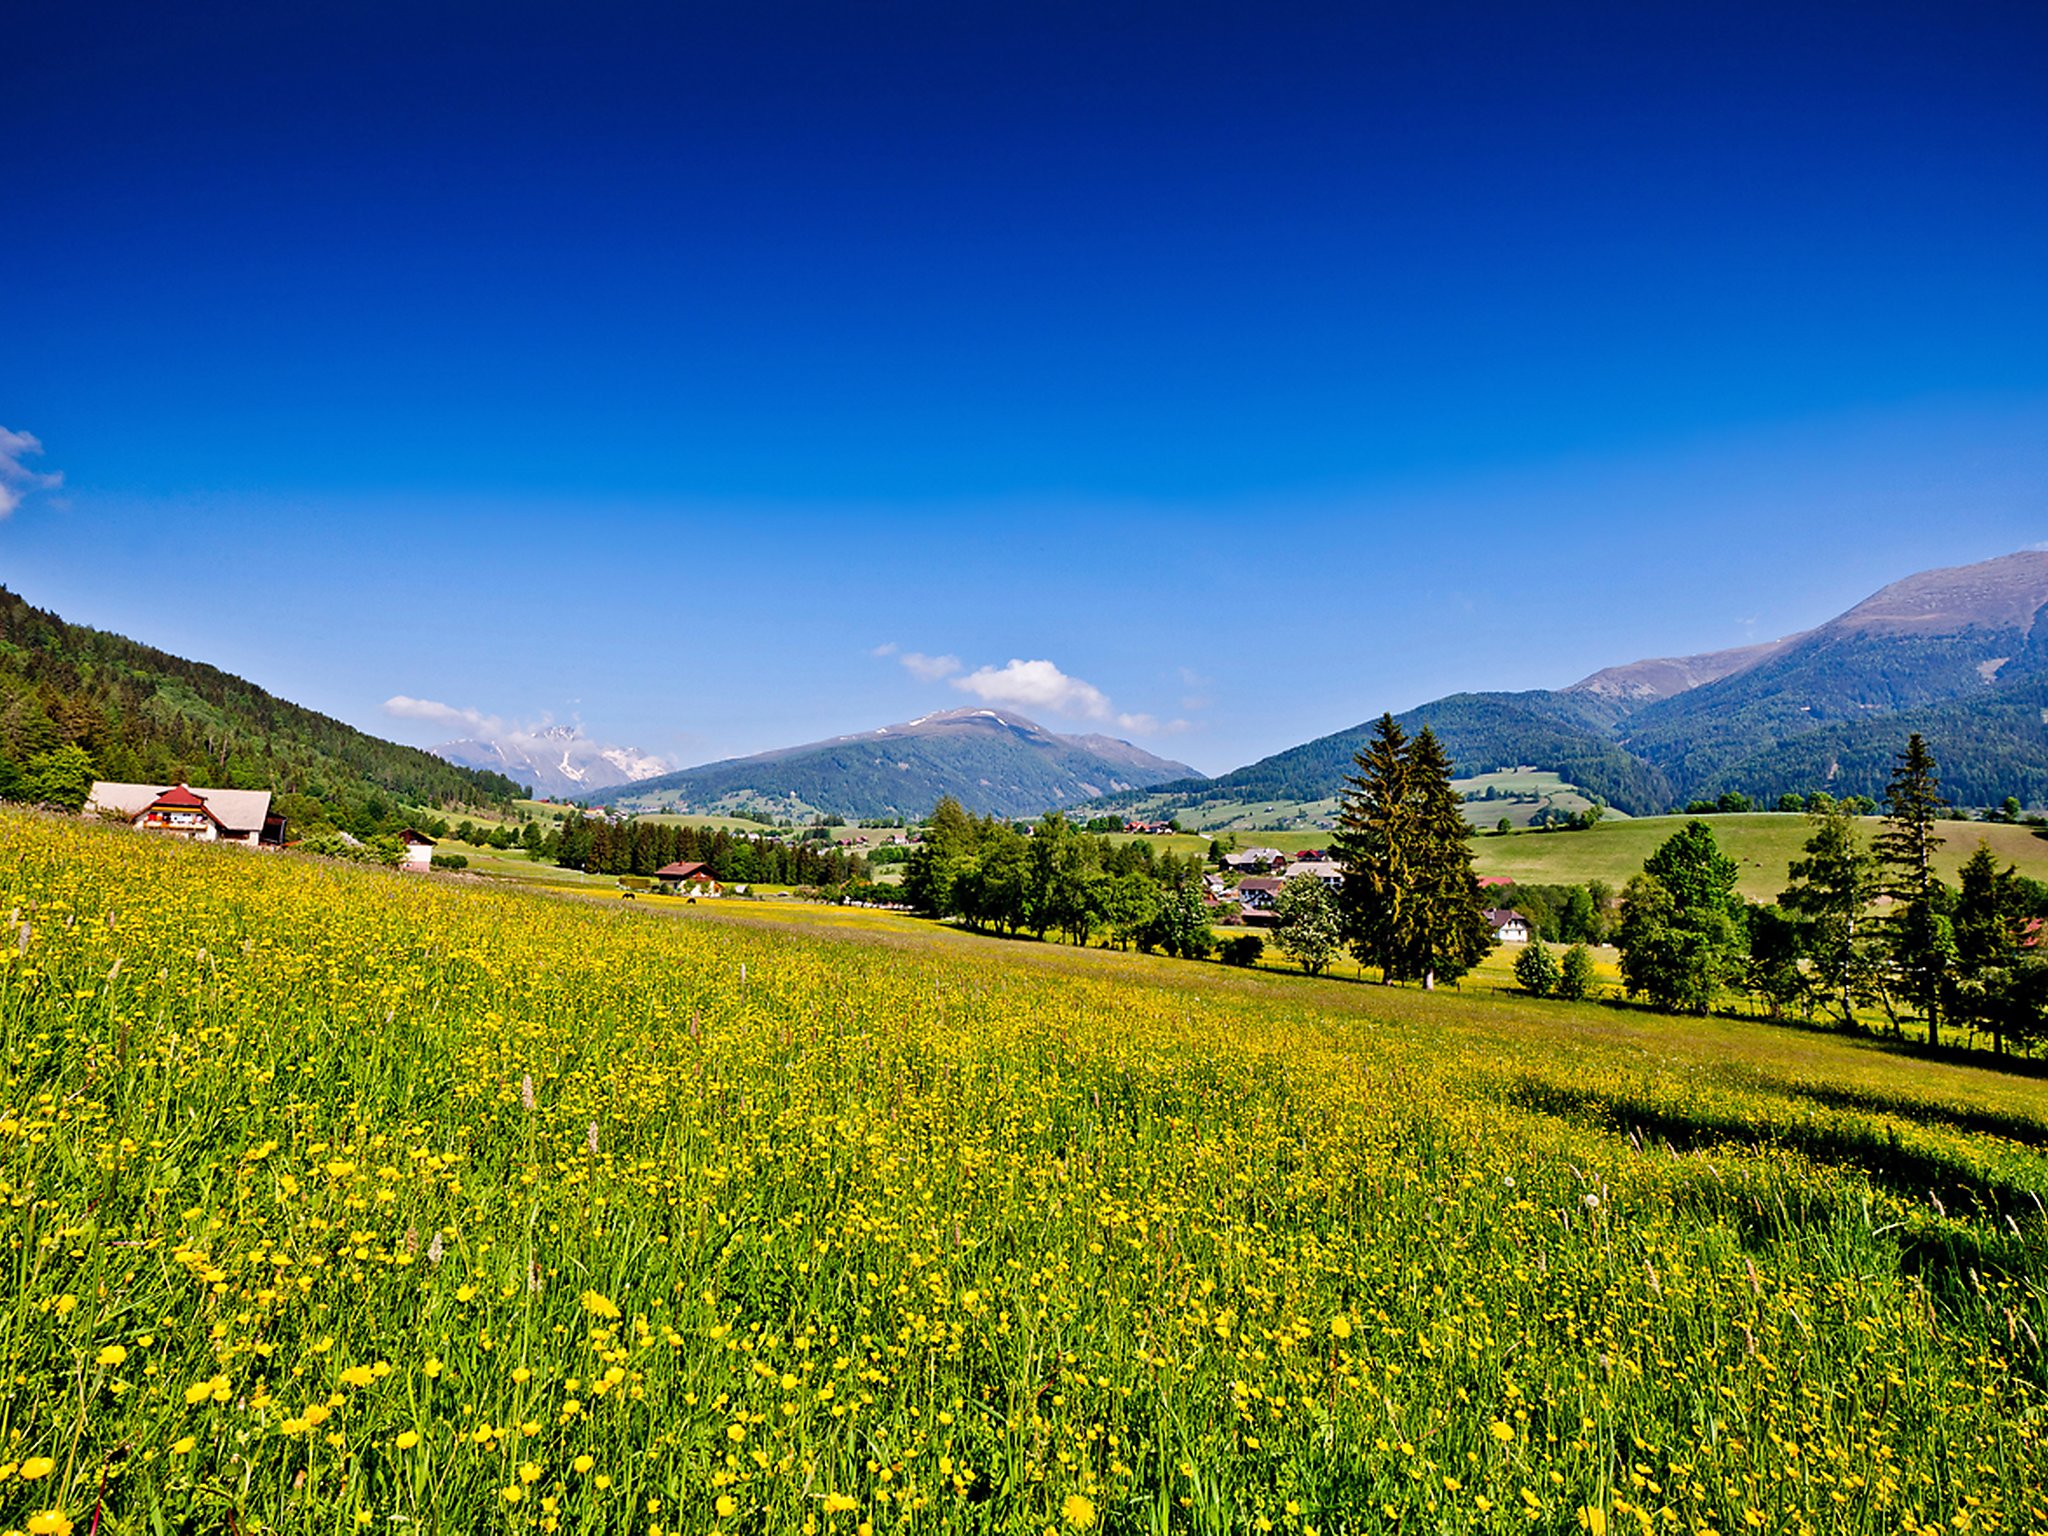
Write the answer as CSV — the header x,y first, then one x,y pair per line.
x,y
17,480
929,668
434,712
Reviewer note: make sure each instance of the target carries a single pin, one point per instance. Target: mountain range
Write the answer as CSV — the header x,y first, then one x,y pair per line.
x,y
993,761
558,761
1957,654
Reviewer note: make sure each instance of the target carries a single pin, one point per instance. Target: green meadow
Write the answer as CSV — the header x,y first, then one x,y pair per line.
x,y
337,1199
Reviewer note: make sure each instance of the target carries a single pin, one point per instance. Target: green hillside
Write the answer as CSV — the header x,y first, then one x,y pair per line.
x,y
1762,844
145,716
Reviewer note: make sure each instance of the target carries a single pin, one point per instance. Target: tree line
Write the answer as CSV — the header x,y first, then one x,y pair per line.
x,y
1860,928
990,875
635,847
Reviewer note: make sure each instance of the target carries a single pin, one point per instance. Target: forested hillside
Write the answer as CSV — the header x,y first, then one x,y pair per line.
x,y
1563,733
78,700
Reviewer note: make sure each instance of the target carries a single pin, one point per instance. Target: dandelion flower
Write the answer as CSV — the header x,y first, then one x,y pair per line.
x,y
407,1439
840,1503
584,1463
600,1306
727,1506
1502,1432
49,1522
112,1355
35,1467
183,1445
1340,1327
1078,1511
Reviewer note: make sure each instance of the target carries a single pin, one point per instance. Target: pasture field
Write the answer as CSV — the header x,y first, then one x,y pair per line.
x,y
335,1199
1762,843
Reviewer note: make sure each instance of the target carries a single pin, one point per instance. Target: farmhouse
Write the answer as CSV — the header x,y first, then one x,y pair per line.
x,y
197,815
1247,859
1259,893
691,879
419,850
1329,871
1509,927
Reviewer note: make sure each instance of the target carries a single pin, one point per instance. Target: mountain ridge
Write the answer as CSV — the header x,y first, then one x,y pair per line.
x,y
559,761
1957,652
993,761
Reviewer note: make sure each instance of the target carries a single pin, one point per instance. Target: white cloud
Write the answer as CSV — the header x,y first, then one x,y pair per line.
x,y
929,668
1037,685
437,713
886,648
1043,687
16,479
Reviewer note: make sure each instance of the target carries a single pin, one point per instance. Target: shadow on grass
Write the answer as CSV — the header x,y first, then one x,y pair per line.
x,y
1878,1153
2024,1129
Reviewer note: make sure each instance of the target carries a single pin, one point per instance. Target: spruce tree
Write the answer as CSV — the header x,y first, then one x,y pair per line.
x,y
1449,933
1375,841
1832,887
1922,940
1410,902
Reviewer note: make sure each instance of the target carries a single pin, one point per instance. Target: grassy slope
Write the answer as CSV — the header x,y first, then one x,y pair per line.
x,y
1763,844
999,1226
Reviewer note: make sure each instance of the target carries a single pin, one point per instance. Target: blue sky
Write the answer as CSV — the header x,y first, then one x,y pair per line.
x,y
1254,369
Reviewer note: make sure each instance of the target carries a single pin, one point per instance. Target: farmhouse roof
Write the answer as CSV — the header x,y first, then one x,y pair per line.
x,y
1500,917
1271,883
679,871
417,839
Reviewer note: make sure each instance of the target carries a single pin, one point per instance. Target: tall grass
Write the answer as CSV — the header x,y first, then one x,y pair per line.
x,y
334,1198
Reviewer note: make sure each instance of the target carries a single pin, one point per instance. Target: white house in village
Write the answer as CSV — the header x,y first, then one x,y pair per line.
x,y
197,815
1508,926
419,850
1329,871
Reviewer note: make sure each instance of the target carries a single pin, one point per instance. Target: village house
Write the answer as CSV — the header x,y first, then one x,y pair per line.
x,y
1259,893
419,850
689,879
197,815
1329,871
1249,860
1152,828
1509,927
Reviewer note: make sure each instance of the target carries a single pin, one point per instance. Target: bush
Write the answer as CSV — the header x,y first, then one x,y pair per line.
x,y
1245,949
450,861
1536,968
338,845
1576,979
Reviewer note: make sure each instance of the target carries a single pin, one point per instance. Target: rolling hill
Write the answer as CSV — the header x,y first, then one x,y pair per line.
x,y
146,716
1956,654
992,761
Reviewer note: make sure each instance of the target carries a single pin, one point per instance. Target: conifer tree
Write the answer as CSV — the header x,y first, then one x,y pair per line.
x,y
1410,902
1832,887
1449,933
1375,841
1922,940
